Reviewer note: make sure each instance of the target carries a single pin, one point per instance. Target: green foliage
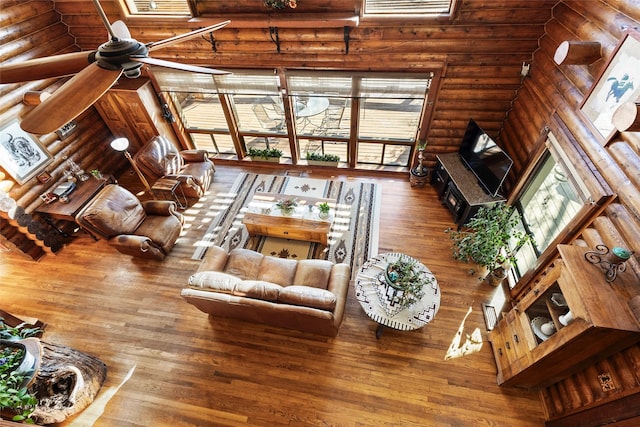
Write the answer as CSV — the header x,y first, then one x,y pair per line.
x,y
491,239
287,205
406,276
12,396
322,157
264,153
324,207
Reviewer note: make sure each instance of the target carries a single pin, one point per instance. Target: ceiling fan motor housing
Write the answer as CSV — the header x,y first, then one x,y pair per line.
x,y
115,55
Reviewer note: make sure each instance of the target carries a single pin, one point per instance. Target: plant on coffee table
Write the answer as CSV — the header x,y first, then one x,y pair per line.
x,y
287,205
406,276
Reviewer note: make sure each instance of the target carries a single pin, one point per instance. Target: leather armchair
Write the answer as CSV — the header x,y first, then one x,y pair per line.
x,y
159,158
141,229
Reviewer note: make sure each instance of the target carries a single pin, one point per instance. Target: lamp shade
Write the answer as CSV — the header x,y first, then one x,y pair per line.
x,y
120,144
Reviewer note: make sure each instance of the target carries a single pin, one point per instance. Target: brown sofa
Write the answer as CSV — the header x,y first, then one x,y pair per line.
x,y
141,229
307,295
159,158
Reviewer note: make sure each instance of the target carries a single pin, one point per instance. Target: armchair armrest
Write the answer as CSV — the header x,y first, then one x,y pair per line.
x,y
194,155
160,207
138,246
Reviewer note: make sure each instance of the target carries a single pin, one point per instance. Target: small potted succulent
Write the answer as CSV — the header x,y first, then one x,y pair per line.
x,y
324,209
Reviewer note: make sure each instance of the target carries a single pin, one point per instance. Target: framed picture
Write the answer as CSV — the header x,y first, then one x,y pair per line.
x,y
21,154
618,83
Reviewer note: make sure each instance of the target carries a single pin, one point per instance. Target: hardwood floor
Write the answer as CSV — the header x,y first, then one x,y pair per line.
x,y
171,365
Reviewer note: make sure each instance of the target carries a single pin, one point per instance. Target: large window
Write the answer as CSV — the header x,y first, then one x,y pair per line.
x,y
162,7
376,115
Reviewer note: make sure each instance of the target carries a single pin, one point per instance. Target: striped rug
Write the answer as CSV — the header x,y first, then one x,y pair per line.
x,y
354,234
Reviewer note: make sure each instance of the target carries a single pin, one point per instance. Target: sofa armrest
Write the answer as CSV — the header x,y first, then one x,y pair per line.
x,y
194,155
138,246
214,260
339,286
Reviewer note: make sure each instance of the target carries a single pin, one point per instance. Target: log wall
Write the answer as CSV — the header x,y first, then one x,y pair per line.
x,y
583,399
29,30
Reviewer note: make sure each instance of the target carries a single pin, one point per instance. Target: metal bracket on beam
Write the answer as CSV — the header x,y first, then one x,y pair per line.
x,y
347,33
273,33
211,40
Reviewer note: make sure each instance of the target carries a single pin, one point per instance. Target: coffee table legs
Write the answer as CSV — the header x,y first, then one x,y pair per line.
x,y
379,331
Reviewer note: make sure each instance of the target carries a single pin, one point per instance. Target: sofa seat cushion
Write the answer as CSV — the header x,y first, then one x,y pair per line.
x,y
308,297
201,173
258,289
277,270
243,263
313,272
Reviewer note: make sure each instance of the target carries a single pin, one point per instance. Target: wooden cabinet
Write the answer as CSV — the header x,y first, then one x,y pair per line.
x,y
131,109
458,188
587,320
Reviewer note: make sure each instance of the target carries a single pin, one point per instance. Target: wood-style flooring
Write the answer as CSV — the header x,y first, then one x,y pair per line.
x,y
171,365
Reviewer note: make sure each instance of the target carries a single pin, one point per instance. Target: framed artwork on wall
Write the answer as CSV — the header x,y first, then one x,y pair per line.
x,y
618,83
21,154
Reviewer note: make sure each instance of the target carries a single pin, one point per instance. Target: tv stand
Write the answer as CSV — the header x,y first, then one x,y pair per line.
x,y
459,189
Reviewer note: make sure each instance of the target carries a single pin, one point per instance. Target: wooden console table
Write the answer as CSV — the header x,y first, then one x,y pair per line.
x,y
262,218
458,188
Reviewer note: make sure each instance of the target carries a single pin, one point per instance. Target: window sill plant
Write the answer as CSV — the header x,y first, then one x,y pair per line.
x,y
281,4
322,159
267,154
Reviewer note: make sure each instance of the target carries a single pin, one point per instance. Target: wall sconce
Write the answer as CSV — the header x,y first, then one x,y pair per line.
x,y
612,262
524,72
121,144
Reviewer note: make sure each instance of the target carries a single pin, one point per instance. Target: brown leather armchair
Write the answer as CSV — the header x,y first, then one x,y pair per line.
x,y
159,158
141,229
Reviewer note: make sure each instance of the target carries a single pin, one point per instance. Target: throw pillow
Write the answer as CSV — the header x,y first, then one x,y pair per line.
x,y
308,297
214,281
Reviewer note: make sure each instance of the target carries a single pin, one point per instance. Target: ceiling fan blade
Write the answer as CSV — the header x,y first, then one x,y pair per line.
x,y
178,66
45,68
121,30
177,39
68,102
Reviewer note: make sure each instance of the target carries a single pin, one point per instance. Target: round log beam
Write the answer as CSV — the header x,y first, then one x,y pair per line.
x,y
34,97
627,117
577,53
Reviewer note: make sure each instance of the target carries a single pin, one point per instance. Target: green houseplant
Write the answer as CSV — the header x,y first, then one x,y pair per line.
x,y
324,209
266,154
287,205
322,159
406,276
491,239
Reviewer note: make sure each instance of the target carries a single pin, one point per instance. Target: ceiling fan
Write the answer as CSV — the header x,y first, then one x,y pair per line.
x,y
95,72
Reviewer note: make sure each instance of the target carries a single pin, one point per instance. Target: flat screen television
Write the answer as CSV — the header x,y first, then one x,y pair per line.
x,y
488,162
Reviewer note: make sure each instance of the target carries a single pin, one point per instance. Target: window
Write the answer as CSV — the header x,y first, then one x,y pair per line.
x,y
158,7
408,7
318,107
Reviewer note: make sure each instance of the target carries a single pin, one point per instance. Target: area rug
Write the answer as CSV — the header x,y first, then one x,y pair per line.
x,y
353,237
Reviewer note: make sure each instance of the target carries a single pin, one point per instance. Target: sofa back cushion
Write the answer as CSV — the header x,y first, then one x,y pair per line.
x,y
313,272
159,157
308,297
277,270
243,263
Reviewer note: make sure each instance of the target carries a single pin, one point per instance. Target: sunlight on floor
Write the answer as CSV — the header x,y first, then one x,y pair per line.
x,y
93,412
472,344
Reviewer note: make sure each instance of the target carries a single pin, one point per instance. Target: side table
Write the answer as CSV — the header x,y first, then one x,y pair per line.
x,y
371,293
170,187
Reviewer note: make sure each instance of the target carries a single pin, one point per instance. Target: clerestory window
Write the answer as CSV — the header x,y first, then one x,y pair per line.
x,y
158,7
408,7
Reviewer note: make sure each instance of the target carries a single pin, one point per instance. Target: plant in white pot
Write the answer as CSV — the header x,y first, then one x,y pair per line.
x,y
491,240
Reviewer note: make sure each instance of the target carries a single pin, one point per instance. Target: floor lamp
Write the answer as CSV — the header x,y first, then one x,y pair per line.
x,y
121,144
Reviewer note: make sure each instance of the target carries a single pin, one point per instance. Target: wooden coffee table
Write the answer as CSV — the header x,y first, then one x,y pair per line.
x,y
264,219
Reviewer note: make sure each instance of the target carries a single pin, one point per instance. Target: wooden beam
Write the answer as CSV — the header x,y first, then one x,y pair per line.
x,y
627,117
577,53
284,20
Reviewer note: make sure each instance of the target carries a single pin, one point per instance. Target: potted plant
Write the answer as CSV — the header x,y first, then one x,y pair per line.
x,y
324,209
266,155
419,174
20,356
287,205
491,240
407,279
318,159
96,173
